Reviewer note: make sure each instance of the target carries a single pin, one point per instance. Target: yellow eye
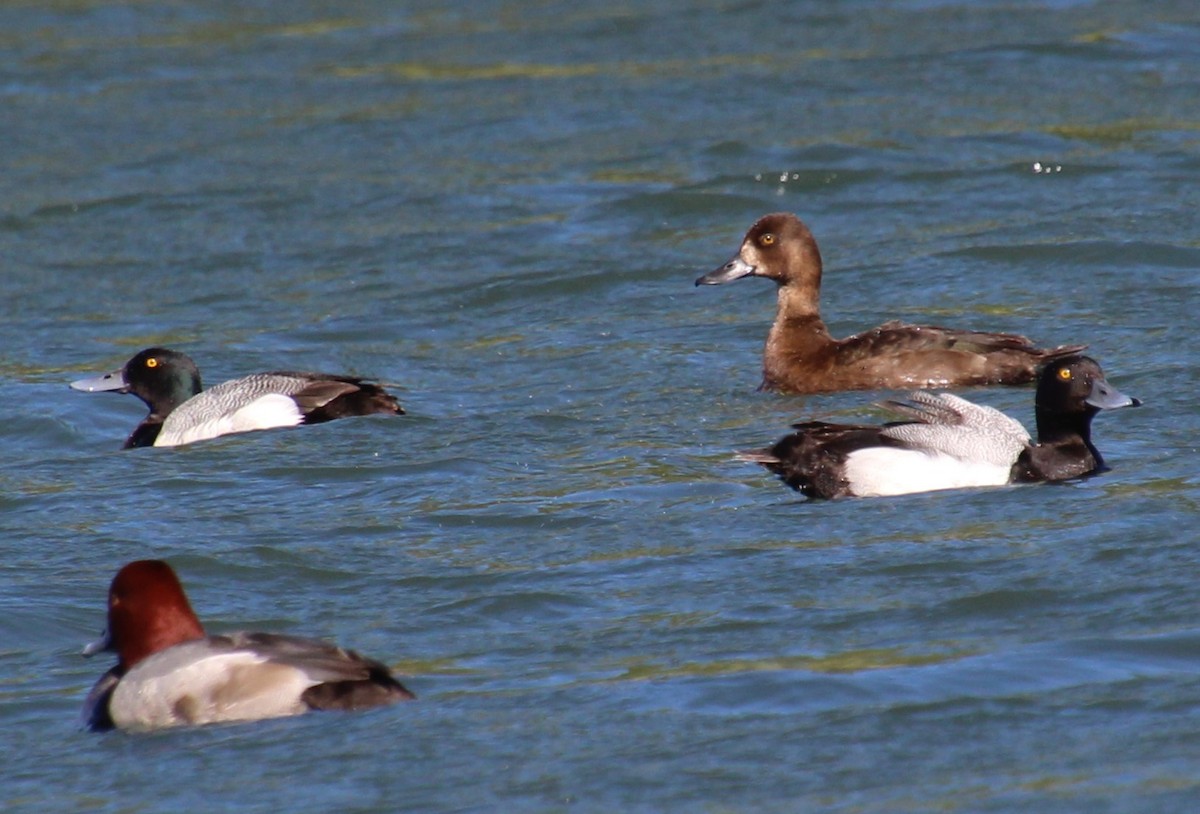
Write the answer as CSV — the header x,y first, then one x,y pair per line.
x,y
1065,374
151,362
767,240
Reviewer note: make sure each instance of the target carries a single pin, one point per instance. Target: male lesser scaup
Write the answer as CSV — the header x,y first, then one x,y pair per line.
x,y
169,673
953,443
801,357
181,413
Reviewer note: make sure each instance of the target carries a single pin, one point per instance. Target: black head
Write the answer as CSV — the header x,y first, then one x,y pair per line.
x,y
1070,392
162,378
1075,385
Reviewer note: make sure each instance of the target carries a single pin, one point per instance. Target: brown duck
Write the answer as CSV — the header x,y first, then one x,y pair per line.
x,y
801,357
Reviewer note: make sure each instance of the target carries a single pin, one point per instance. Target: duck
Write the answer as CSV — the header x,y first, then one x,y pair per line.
x,y
182,412
801,357
170,673
949,442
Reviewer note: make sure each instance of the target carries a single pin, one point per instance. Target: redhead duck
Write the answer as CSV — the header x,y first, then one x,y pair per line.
x,y
952,443
180,413
801,357
169,673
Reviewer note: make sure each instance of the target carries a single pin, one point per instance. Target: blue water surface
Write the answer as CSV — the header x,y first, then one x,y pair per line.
x,y
499,208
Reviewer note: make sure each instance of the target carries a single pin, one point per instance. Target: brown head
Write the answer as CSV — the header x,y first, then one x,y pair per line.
x,y
779,247
148,612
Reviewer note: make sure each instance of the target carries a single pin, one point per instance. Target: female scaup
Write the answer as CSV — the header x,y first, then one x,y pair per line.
x,y
952,443
169,673
801,357
180,413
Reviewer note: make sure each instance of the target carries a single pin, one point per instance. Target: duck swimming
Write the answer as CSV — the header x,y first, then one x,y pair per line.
x,y
170,673
952,443
801,356
181,412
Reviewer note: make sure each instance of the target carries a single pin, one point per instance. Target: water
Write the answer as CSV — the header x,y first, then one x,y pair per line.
x,y
500,208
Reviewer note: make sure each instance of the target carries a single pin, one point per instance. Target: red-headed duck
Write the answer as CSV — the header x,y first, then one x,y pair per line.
x,y
181,412
169,673
801,357
952,443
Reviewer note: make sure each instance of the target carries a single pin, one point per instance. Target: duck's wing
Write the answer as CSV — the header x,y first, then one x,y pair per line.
x,y
325,397
905,336
950,425
342,679
897,354
267,400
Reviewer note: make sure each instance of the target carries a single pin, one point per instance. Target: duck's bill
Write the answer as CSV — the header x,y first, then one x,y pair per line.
x,y
98,646
735,269
1106,397
98,384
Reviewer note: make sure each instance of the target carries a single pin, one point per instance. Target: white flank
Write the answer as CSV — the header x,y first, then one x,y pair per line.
x,y
186,684
264,413
882,471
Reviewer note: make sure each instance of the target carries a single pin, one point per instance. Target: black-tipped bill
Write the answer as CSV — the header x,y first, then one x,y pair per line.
x,y
735,269
98,384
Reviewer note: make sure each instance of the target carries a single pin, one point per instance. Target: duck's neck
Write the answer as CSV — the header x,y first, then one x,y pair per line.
x,y
183,384
799,299
797,316
1061,429
796,336
167,405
